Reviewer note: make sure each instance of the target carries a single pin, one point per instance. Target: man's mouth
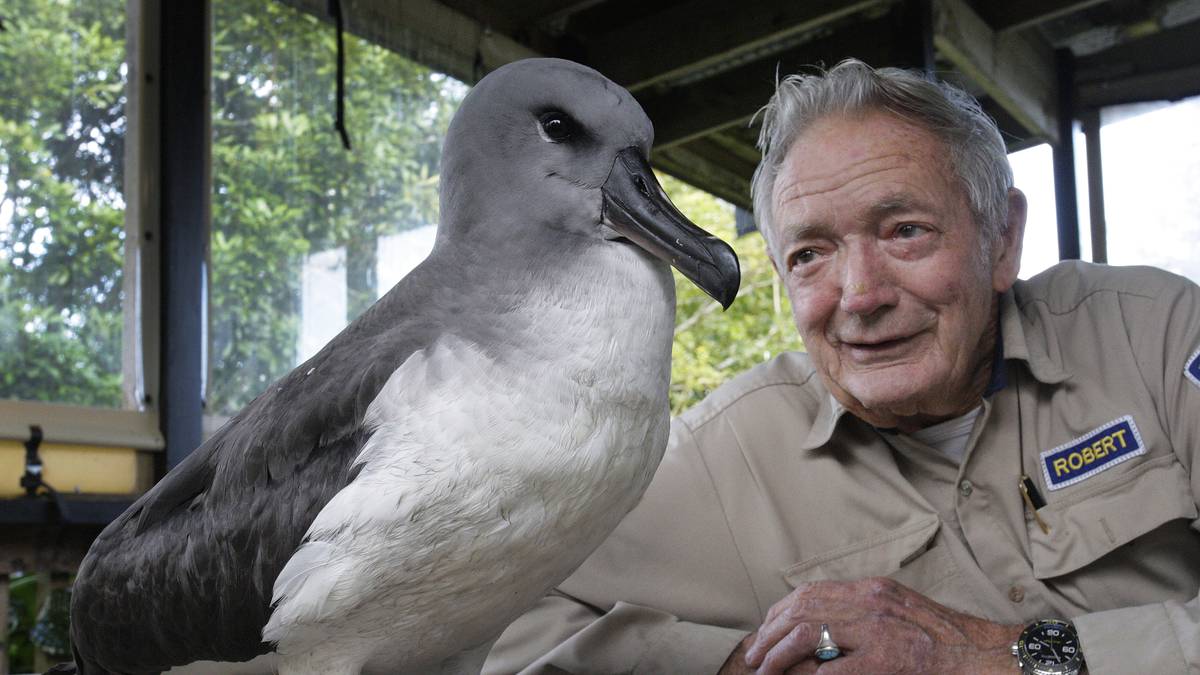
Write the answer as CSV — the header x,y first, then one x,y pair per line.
x,y
876,350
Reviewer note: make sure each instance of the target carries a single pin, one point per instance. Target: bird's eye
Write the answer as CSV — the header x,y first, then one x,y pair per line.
x,y
558,126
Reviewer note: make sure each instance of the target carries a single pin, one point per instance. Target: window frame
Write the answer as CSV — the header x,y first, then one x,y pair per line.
x,y
136,425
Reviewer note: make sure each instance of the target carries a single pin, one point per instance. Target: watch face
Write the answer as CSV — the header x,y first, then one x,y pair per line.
x,y
1051,646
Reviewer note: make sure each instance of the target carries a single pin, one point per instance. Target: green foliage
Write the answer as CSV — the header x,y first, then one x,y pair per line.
x,y
62,122
22,617
711,346
283,189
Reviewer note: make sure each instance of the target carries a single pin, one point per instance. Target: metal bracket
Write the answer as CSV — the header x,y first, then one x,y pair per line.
x,y
32,479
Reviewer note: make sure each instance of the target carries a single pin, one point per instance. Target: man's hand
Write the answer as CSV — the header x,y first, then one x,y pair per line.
x,y
880,626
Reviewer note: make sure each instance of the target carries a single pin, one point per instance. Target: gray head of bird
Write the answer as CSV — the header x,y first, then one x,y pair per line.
x,y
548,145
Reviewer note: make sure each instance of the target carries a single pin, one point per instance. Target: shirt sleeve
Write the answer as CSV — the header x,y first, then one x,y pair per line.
x,y
666,593
562,634
1161,637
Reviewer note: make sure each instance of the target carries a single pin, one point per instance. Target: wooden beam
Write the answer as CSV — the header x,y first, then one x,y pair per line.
x,y
1162,65
730,99
711,177
185,132
740,142
1018,14
1170,85
1014,70
4,581
715,152
1065,189
1095,181
427,32
699,35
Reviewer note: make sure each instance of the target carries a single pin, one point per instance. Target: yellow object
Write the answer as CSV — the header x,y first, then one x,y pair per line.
x,y
72,468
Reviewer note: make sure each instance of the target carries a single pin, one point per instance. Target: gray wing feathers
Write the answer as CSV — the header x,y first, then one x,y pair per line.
x,y
187,572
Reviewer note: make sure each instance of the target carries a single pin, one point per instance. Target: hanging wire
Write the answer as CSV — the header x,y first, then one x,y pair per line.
x,y
339,123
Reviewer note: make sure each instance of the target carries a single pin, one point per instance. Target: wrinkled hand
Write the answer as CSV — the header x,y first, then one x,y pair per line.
x,y
881,626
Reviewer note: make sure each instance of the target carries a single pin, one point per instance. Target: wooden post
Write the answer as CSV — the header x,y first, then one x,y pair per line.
x,y
4,624
1095,181
41,662
1063,156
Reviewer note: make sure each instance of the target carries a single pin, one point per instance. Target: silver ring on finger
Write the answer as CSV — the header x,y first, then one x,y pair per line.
x,y
827,649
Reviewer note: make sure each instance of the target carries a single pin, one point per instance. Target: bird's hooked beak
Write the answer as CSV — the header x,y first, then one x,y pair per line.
x,y
636,207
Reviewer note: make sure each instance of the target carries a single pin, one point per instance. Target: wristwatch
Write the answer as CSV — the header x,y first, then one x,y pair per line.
x,y
1048,647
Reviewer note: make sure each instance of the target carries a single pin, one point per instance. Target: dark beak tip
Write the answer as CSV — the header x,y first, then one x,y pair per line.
x,y
733,272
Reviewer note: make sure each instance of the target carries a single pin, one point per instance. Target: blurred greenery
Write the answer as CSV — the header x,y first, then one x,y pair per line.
x,y
62,123
283,189
710,345
22,616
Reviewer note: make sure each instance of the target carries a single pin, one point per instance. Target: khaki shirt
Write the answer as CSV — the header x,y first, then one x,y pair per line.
x,y
768,483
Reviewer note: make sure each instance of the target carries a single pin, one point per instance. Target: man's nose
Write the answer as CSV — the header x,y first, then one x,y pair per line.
x,y
866,282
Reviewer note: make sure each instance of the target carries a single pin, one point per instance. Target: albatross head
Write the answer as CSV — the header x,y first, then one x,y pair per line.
x,y
548,143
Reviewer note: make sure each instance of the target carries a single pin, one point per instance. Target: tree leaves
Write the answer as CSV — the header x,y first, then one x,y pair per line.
x,y
61,210
710,345
283,189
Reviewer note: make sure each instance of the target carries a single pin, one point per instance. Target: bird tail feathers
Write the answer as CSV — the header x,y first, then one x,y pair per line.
x,y
303,591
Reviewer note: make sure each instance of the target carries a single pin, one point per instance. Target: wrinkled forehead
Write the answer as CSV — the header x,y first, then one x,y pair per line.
x,y
837,150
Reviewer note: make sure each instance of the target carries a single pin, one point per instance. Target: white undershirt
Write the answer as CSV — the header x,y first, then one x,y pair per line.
x,y
950,437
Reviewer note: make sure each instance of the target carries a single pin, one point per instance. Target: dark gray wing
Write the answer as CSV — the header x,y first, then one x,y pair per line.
x,y
186,573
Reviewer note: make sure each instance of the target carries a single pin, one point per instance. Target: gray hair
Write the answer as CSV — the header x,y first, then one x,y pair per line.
x,y
976,149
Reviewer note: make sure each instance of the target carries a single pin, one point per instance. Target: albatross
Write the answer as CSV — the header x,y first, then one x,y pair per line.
x,y
459,449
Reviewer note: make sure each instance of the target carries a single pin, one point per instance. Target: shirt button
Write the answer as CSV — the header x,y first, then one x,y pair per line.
x,y
965,488
1016,594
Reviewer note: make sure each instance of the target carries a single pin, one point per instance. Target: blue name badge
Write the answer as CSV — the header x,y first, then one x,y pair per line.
x,y
1193,368
1095,451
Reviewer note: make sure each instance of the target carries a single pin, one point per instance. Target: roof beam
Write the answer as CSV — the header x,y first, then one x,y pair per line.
x,y
1017,14
427,32
701,34
1160,66
1013,70
711,176
731,98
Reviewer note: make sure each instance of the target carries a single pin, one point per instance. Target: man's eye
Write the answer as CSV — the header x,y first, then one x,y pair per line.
x,y
558,126
803,257
909,230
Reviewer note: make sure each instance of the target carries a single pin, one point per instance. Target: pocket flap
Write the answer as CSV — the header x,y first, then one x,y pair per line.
x,y
876,557
1085,530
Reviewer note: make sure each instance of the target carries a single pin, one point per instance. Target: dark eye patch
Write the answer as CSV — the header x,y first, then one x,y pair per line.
x,y
559,126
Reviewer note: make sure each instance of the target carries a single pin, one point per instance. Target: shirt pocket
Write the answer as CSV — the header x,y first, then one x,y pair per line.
x,y
1097,543
879,556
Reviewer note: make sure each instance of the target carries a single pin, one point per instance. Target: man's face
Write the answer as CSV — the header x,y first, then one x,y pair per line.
x,y
882,260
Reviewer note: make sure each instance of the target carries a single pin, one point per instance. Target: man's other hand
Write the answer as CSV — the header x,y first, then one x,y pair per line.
x,y
880,626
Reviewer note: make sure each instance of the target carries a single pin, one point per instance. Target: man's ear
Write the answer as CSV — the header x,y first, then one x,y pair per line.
x,y
1007,256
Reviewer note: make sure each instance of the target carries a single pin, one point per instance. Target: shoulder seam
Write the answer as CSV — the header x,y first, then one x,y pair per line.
x,y
716,410
1080,301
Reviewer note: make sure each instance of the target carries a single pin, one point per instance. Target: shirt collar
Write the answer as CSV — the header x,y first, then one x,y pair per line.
x,y
1011,343
829,411
1023,345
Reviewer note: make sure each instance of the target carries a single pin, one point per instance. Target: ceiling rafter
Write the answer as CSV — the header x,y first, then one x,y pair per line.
x,y
718,33
732,98
1018,14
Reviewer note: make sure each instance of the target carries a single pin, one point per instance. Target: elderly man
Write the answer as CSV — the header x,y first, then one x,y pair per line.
x,y
959,455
